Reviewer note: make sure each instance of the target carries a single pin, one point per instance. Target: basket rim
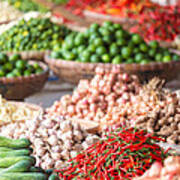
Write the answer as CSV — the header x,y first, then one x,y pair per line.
x,y
24,78
149,66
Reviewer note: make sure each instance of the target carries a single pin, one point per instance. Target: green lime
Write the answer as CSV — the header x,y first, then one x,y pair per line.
x,y
117,26
117,60
107,24
36,65
121,42
27,73
129,61
139,57
80,49
152,52
106,58
69,43
98,42
65,46
16,72
119,34
79,40
84,59
10,75
2,73
69,55
154,44
144,61
95,58
3,58
143,47
126,52
20,64
101,50
167,58
31,68
56,55
14,57
158,57
114,49
94,27
104,31
92,48
108,39
86,54
8,66
176,57
39,70
136,50
136,39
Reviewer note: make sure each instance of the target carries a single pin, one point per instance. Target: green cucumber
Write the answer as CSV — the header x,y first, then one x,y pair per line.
x,y
5,149
9,161
21,166
23,176
53,177
13,143
20,152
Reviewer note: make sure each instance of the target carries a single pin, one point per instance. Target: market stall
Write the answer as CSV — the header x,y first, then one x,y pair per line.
x,y
89,90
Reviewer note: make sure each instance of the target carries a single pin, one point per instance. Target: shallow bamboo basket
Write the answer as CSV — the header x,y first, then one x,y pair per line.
x,y
19,88
72,71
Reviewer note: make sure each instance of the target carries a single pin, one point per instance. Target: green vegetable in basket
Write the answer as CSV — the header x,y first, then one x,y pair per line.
x,y
32,35
14,66
110,43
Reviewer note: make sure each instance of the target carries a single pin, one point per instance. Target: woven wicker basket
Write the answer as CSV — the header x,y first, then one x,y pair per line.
x,y
72,71
19,88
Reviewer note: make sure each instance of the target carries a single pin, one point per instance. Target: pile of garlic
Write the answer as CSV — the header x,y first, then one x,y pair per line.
x,y
54,140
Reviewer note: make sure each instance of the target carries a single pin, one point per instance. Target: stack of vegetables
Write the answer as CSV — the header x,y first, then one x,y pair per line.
x,y
110,43
14,66
16,162
122,154
33,34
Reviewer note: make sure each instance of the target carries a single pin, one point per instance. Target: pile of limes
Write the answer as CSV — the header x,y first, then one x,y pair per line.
x,y
14,66
34,34
110,43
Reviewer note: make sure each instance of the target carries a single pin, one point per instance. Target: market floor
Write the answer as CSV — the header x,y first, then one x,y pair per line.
x,y
52,91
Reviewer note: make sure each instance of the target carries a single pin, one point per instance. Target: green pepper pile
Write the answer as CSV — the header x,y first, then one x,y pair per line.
x,y
14,66
34,34
110,43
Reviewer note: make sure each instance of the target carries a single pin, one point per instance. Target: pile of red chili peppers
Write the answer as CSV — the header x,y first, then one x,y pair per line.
x,y
160,23
121,155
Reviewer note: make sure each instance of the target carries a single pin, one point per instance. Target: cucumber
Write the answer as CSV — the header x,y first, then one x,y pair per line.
x,y
21,152
4,149
53,177
23,176
9,161
13,143
21,166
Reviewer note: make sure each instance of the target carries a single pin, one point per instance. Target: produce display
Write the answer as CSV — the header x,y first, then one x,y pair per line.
x,y
120,155
16,161
110,43
8,13
161,24
54,140
14,66
12,112
34,34
113,98
170,170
